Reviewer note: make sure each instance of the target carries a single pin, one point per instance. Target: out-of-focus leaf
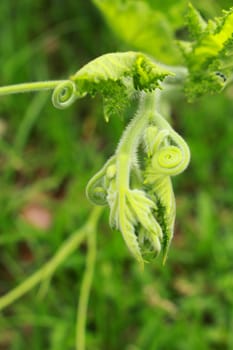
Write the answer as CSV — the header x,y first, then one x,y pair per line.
x,y
209,56
141,27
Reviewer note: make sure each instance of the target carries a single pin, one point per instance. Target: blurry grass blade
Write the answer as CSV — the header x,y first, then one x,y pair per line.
x,y
29,120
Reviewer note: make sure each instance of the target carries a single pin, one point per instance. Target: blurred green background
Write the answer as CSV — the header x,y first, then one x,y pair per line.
x,y
46,159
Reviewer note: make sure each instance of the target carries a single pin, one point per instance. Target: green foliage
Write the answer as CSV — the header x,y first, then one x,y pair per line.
x,y
116,76
140,194
209,56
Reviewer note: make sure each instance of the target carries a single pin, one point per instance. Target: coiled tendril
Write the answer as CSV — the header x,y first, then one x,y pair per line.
x,y
64,94
97,186
168,160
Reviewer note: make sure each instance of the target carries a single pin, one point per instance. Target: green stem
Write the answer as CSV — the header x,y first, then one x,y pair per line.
x,y
28,87
49,268
126,151
85,291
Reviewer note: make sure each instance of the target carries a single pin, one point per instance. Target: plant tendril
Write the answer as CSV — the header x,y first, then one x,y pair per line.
x,y
64,94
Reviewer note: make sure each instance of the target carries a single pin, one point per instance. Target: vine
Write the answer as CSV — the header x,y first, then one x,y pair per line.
x,y
137,189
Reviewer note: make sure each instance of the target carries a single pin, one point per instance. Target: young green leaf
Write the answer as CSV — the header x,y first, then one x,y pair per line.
x,y
209,55
116,76
132,214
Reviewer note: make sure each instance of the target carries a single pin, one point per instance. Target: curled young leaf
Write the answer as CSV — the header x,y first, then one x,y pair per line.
x,y
132,212
116,76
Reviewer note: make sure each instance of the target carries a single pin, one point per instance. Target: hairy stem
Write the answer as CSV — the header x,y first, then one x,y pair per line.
x,y
126,151
29,87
